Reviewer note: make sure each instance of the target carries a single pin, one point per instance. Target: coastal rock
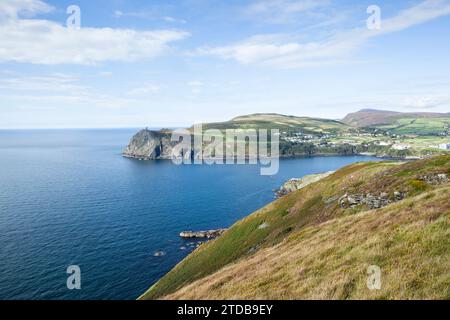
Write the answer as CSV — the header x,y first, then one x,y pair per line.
x,y
372,201
202,234
263,226
435,179
152,145
297,184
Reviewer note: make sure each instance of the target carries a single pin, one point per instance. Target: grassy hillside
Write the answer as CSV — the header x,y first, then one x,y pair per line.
x,y
410,242
421,123
307,245
281,122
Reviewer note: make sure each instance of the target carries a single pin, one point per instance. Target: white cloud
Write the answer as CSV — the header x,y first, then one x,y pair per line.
x,y
118,14
196,87
14,8
52,83
47,42
438,100
281,11
277,51
78,100
61,90
174,20
195,83
105,74
147,14
425,11
144,90
426,101
135,14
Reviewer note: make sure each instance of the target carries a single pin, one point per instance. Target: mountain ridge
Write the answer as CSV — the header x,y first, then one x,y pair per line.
x,y
370,117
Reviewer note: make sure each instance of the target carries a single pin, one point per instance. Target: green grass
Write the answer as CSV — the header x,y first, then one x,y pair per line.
x,y
420,126
282,123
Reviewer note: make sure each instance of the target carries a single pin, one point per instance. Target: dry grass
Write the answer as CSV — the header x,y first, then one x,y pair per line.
x,y
409,241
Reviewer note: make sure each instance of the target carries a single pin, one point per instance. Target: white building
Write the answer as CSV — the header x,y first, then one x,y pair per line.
x,y
401,146
444,146
384,143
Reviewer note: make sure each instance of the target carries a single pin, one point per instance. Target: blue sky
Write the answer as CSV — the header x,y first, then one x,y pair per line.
x,y
173,63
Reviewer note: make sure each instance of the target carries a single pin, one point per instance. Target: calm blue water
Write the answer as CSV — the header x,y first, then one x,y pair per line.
x,y
67,197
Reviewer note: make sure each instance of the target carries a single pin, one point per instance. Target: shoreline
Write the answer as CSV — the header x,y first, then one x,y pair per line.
x,y
383,157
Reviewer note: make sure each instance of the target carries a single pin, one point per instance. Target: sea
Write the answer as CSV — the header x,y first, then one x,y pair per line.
x,y
68,198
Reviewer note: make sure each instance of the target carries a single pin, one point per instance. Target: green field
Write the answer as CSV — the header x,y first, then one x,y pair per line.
x,y
419,126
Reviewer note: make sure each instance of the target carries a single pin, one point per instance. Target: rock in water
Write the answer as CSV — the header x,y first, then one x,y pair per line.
x,y
202,234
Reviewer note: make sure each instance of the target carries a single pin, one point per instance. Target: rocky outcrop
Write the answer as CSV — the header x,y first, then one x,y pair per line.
x,y
372,201
152,145
435,179
297,184
202,234
159,254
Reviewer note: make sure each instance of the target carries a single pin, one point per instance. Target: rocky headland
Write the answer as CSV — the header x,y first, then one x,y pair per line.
x,y
152,145
149,145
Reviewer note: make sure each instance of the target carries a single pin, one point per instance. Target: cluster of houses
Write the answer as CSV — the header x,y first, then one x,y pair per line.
x,y
321,139
299,137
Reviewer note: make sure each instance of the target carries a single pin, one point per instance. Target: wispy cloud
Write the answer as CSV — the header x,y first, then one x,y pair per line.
x,y
49,83
105,74
174,20
195,83
281,52
135,14
150,15
281,11
46,42
425,102
146,89
196,87
14,8
61,90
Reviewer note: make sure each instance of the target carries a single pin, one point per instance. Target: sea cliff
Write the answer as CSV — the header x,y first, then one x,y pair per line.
x,y
152,145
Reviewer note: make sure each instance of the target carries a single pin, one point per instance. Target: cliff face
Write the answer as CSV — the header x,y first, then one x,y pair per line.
x,y
151,145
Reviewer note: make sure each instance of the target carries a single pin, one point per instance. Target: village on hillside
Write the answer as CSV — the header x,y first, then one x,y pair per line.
x,y
374,141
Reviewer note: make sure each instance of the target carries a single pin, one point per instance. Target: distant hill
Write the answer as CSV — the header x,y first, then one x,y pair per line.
x,y
281,122
419,123
370,117
317,242
148,144
422,123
